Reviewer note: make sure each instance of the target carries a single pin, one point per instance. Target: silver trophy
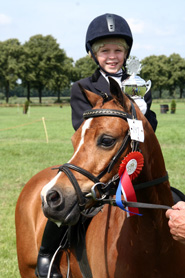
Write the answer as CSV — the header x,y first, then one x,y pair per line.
x,y
134,85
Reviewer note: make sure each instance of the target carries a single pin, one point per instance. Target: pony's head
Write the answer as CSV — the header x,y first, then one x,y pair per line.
x,y
100,144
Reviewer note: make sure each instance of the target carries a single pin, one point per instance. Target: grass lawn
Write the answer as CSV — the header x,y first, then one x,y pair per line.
x,y
24,152
171,135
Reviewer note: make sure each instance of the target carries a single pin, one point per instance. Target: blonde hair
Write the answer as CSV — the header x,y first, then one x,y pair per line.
x,y
100,43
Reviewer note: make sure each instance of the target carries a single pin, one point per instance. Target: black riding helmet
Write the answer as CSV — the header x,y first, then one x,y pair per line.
x,y
107,25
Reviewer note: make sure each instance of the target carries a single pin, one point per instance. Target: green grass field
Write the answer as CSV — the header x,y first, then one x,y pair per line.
x,y
24,152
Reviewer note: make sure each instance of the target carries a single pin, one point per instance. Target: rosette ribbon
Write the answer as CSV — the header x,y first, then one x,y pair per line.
x,y
129,169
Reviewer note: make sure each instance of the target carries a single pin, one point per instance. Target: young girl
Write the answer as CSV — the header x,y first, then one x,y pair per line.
x,y
109,42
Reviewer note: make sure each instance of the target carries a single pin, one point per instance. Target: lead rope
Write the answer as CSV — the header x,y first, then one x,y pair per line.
x,y
136,204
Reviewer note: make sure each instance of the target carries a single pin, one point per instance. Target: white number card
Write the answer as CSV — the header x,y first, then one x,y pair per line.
x,y
136,130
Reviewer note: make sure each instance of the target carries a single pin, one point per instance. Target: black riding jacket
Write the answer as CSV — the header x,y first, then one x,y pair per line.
x,y
97,84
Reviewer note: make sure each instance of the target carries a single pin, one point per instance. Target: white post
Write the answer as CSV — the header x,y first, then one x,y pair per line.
x,y
43,120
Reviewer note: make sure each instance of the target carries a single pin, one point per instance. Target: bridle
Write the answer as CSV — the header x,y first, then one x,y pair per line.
x,y
100,192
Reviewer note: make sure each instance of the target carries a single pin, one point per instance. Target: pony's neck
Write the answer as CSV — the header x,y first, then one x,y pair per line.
x,y
154,165
154,168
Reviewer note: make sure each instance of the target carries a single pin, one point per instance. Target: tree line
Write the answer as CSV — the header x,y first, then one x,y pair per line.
x,y
166,73
40,66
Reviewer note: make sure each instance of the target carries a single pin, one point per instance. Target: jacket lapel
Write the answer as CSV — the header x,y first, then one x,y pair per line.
x,y
99,82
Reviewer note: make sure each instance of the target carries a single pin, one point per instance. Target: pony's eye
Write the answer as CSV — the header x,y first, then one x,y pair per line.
x,y
106,141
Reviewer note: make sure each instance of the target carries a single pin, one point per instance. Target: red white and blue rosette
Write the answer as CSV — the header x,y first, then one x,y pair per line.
x,y
130,168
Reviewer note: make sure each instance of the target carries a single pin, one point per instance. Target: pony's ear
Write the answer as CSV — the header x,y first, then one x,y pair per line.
x,y
116,92
91,97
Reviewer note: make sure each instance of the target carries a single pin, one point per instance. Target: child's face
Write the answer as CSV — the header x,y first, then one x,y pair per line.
x,y
111,57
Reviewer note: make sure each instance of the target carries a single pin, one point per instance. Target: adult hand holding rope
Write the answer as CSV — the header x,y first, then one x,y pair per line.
x,y
176,221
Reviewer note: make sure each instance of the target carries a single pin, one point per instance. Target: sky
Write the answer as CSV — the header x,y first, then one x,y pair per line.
x,y
158,26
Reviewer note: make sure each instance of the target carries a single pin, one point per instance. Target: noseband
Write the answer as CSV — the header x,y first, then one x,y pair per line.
x,y
105,190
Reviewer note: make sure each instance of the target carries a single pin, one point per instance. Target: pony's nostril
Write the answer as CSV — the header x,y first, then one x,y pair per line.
x,y
54,198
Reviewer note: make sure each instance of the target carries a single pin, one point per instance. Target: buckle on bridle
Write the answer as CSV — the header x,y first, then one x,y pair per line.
x,y
97,188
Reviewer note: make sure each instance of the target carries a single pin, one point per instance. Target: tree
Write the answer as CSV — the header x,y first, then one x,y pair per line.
x,y
61,76
155,68
9,64
26,69
43,58
176,73
84,67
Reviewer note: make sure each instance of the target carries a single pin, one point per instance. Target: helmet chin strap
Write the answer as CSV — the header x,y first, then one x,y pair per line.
x,y
106,72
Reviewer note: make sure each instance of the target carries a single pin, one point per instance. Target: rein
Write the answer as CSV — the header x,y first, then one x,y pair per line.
x,y
108,189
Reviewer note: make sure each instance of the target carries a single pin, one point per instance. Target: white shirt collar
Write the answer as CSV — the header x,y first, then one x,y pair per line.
x,y
118,79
